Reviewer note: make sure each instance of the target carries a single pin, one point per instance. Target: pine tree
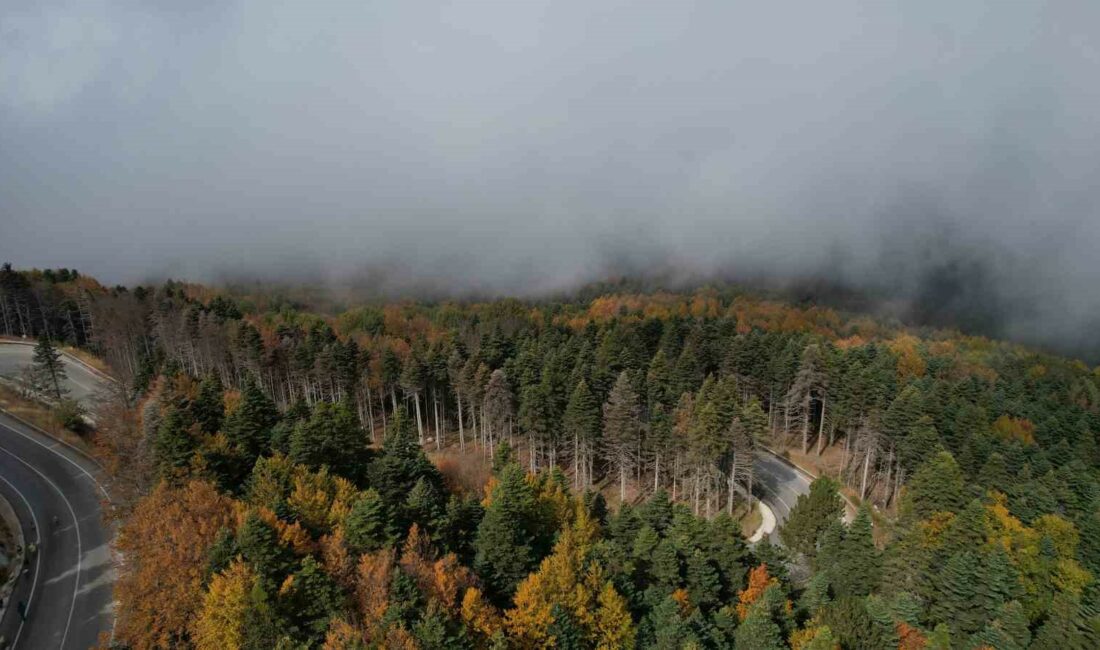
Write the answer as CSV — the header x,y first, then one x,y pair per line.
x,y
401,464
424,506
621,429
582,426
312,599
937,486
48,368
209,406
758,631
564,631
811,514
504,553
332,436
249,426
1009,631
259,546
367,525
174,445
858,567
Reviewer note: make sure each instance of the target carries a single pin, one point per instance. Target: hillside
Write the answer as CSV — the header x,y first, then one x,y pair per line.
x,y
280,492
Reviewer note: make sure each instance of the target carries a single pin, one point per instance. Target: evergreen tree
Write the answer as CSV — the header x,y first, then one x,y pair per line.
x,y
424,506
564,631
1009,631
937,486
758,631
811,514
853,626
858,566
621,429
209,406
249,426
582,426
174,445
332,436
504,543
312,599
401,464
259,545
367,526
48,369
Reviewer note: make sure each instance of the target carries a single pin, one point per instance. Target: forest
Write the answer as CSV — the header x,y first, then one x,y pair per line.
x,y
564,472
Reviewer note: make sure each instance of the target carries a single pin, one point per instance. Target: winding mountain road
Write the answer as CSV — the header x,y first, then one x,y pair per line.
x,y
780,486
58,496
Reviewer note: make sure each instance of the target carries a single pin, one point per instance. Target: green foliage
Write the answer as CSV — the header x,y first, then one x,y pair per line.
x,y
174,445
209,406
367,526
937,486
311,599
505,541
758,631
331,437
258,544
811,514
48,371
248,427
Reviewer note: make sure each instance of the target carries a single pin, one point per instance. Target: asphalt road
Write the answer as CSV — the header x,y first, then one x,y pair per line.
x,y
68,582
780,484
81,382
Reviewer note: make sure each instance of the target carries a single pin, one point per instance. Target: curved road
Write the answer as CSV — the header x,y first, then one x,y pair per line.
x,y
68,583
780,485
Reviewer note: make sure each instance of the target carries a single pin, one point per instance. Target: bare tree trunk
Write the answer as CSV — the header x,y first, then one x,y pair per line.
x,y
821,429
370,414
576,459
656,471
461,425
863,483
419,422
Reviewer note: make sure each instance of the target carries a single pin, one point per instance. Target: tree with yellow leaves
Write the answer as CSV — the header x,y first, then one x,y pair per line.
x,y
614,627
220,625
479,615
160,585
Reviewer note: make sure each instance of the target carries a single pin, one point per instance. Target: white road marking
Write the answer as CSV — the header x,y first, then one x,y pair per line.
x,y
51,448
79,546
37,558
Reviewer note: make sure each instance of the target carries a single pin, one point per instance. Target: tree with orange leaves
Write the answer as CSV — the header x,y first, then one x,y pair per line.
x,y
372,586
165,543
759,580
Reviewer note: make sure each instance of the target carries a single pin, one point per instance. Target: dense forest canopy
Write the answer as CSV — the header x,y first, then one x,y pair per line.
x,y
304,464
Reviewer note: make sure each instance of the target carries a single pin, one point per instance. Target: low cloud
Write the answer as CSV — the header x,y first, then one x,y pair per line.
x,y
937,154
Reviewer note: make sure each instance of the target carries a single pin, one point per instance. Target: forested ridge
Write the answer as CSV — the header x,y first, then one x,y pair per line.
x,y
278,489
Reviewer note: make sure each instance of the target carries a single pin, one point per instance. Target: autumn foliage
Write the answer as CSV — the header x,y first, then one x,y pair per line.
x,y
165,543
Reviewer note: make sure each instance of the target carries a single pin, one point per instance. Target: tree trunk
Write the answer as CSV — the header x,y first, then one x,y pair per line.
x,y
866,468
821,429
419,422
461,425
806,423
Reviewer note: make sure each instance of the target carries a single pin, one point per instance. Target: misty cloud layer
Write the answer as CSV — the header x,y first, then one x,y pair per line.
x,y
943,153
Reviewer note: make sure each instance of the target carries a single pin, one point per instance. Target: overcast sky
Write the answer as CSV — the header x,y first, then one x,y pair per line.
x,y
524,146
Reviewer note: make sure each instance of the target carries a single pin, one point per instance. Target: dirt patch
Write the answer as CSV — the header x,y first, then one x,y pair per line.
x,y
464,473
40,416
749,518
829,463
